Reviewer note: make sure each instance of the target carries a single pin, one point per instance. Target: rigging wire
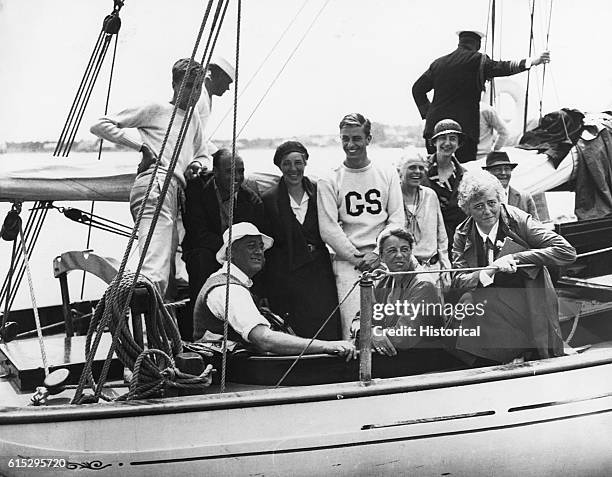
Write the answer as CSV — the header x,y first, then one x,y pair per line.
x,y
231,207
261,65
110,83
284,66
529,70
546,48
493,22
110,28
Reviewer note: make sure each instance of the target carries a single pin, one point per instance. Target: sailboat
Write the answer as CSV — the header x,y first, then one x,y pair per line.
x,y
534,418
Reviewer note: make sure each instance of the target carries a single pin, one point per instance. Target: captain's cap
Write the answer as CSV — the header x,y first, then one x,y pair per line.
x,y
477,34
225,66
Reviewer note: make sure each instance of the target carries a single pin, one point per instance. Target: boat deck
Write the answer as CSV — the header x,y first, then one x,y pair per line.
x,y
11,396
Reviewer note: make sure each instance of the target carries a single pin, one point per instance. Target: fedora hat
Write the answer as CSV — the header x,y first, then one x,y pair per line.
x,y
240,230
498,158
446,126
225,66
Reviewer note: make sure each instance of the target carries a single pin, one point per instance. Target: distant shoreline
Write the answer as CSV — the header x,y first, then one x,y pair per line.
x,y
382,135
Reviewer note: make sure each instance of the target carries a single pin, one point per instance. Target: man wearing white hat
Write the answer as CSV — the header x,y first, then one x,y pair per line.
x,y
458,80
219,76
246,323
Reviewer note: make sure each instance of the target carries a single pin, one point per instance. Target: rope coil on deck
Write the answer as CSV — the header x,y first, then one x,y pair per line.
x,y
153,369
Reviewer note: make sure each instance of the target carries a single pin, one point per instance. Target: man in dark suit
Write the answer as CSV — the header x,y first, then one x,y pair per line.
x,y
458,80
206,217
498,163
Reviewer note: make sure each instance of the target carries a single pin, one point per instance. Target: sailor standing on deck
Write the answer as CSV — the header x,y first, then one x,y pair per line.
x,y
458,80
220,74
355,203
152,122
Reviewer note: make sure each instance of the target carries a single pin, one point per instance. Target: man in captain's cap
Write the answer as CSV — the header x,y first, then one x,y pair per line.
x,y
458,80
498,163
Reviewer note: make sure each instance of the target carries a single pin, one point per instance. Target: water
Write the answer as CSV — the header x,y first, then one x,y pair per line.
x,y
60,234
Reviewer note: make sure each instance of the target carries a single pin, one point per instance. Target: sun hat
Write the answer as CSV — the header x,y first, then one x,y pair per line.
x,y
225,66
240,230
498,158
446,126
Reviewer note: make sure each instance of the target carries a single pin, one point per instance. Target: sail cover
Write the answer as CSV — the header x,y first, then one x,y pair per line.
x,y
53,178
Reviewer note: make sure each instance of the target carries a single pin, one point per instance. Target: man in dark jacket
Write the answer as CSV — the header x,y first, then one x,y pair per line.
x,y
458,80
519,317
206,217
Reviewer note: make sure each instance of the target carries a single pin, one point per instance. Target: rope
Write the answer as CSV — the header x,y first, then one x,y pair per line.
x,y
91,212
528,71
547,42
284,66
261,65
10,276
41,342
166,375
95,221
114,290
163,339
110,27
574,325
379,272
295,361
32,231
231,207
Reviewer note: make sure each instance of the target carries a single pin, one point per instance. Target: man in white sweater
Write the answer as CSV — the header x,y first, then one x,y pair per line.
x,y
152,122
357,201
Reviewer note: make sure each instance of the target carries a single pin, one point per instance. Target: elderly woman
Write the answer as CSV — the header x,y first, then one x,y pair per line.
x,y
424,218
396,247
298,276
520,308
444,172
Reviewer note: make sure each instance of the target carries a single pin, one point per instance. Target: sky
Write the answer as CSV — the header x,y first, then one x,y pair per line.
x,y
359,55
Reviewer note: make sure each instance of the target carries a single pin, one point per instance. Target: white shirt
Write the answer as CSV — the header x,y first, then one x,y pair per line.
x,y
152,121
485,279
505,197
299,210
242,315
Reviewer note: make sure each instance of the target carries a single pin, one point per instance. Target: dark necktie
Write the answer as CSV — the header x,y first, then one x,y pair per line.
x,y
489,251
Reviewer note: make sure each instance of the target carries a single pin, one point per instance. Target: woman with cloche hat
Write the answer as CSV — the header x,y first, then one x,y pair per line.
x,y
445,173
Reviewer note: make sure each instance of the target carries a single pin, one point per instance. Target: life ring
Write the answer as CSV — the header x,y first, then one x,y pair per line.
x,y
506,89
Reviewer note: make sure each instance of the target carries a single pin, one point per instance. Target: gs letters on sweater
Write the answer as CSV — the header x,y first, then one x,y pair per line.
x,y
355,205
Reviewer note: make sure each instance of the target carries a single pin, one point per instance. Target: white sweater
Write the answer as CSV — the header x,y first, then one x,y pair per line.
x,y
152,122
355,205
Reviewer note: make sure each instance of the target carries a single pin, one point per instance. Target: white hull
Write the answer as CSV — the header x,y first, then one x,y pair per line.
x,y
543,418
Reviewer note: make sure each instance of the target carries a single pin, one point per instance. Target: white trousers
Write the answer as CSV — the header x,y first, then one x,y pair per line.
x,y
346,276
158,264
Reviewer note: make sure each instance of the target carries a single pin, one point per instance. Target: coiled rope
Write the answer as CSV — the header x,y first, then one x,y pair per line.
x,y
153,369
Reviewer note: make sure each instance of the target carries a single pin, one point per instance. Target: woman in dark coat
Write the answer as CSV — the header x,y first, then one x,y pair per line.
x,y
299,280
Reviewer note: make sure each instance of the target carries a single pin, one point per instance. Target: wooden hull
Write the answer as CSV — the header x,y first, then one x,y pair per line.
x,y
547,417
